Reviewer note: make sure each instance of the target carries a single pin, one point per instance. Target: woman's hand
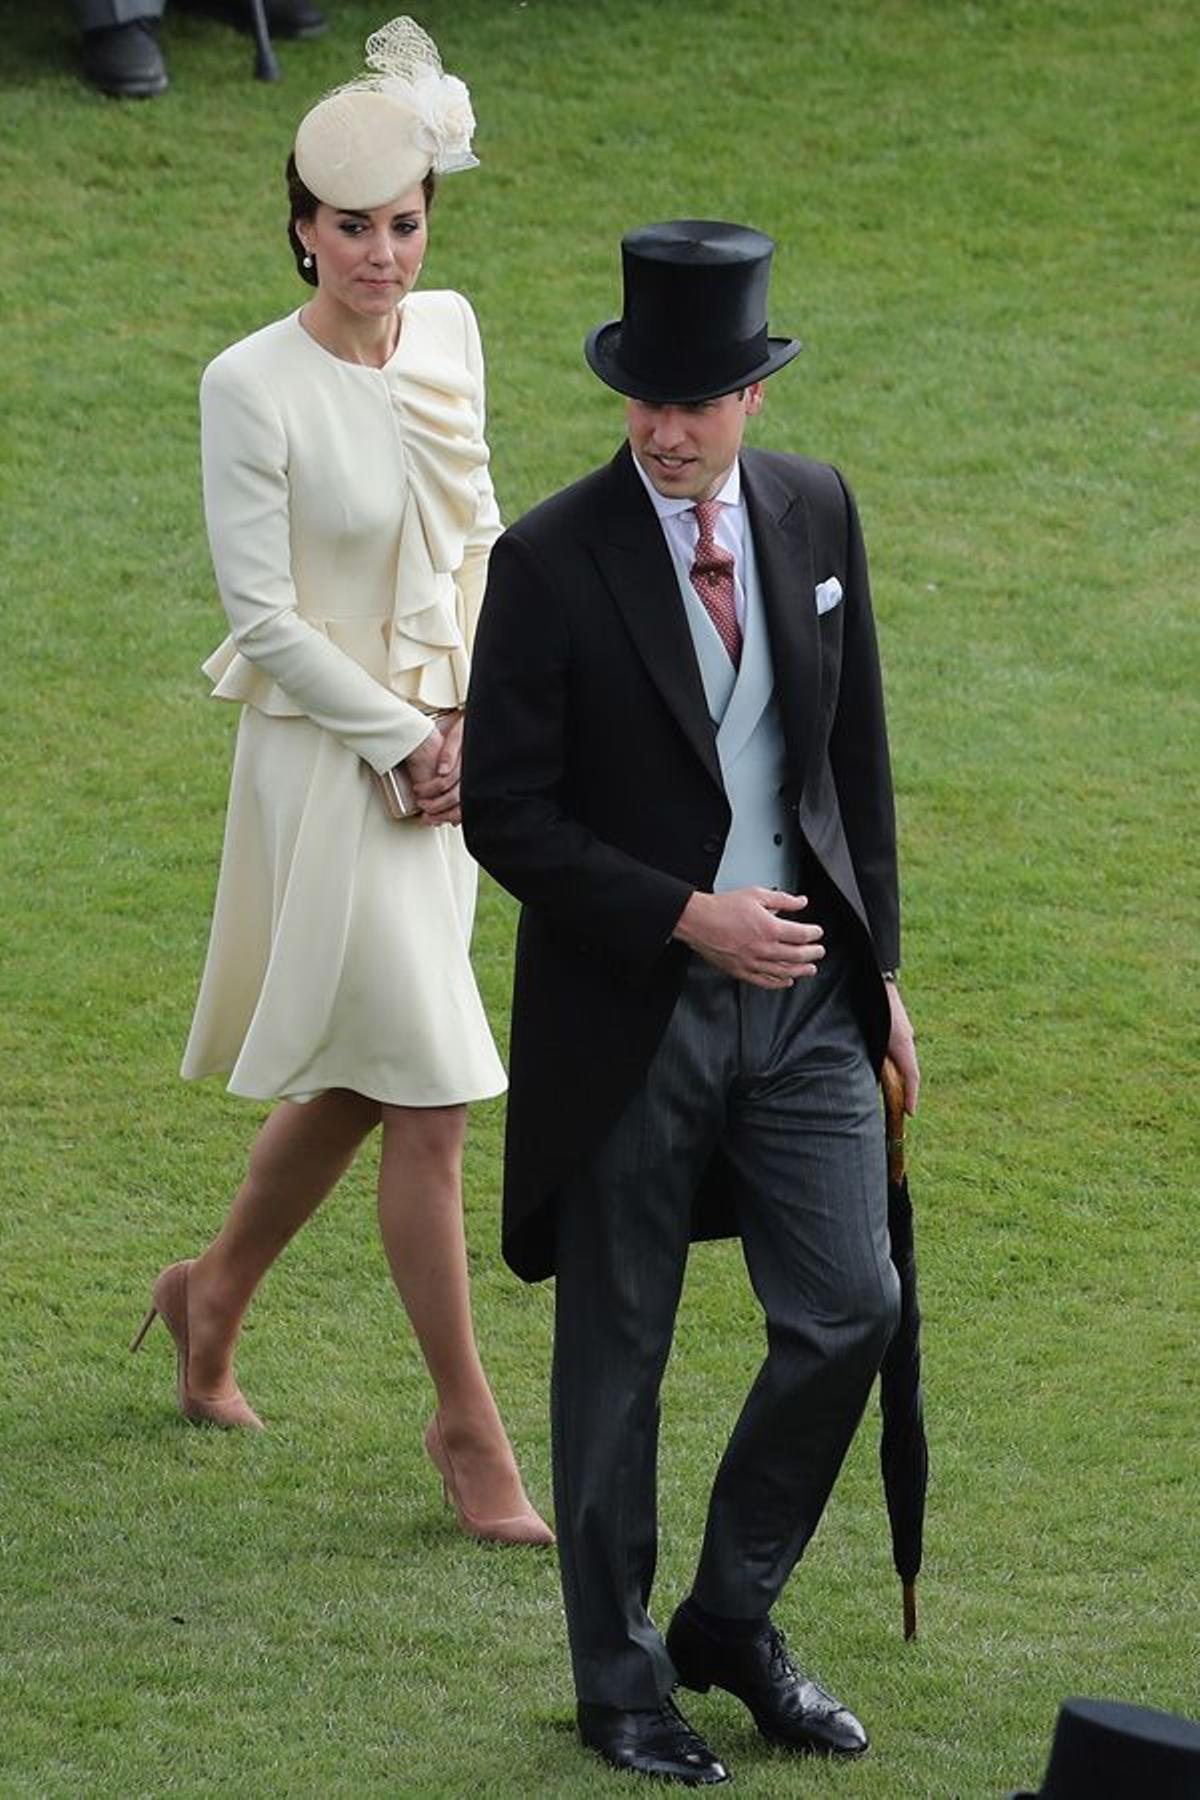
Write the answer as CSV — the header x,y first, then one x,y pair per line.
x,y
435,770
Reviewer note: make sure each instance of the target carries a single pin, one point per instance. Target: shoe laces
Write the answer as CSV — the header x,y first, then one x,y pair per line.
x,y
782,1664
671,1717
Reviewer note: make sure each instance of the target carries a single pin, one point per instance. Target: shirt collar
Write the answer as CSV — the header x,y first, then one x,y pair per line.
x,y
729,493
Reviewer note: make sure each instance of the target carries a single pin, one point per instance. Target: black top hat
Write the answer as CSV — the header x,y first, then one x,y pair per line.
x,y
1104,1750
694,324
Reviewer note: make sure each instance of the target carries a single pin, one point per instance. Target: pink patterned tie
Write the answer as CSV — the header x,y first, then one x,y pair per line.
x,y
712,578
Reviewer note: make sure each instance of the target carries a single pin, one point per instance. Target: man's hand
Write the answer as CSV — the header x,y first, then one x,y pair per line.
x,y
741,933
902,1048
435,770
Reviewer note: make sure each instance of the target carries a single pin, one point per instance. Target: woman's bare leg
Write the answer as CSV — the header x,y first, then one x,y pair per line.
x,y
421,1222
299,1155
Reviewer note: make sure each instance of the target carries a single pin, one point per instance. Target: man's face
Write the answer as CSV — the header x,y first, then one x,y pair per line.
x,y
687,449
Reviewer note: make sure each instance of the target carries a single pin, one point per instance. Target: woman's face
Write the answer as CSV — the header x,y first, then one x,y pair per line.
x,y
368,261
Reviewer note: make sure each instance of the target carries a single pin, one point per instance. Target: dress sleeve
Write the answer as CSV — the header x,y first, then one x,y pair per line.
x,y
244,454
472,577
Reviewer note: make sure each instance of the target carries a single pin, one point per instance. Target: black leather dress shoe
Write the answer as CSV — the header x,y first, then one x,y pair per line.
x,y
788,1708
285,18
294,19
125,60
659,1742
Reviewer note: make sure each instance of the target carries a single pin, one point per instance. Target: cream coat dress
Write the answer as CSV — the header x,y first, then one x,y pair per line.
x,y
350,513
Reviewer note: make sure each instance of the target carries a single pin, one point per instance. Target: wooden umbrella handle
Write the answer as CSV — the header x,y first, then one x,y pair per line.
x,y
893,1107
910,1610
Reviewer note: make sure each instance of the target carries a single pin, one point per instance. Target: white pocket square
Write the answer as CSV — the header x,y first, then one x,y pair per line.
x,y
829,593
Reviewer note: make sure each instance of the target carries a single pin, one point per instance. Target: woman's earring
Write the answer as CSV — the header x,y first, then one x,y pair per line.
x,y
307,261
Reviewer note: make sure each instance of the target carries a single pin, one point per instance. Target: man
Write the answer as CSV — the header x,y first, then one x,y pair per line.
x,y
676,759
121,53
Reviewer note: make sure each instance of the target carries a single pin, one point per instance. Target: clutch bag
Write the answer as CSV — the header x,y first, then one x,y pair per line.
x,y
397,791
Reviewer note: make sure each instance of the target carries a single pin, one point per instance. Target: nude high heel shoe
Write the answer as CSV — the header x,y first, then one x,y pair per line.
x,y
168,1296
526,1527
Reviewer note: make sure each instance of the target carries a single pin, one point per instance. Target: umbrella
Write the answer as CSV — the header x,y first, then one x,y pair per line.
x,y
903,1451
266,64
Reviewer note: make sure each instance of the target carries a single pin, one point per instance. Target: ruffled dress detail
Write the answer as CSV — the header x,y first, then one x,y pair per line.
x,y
417,648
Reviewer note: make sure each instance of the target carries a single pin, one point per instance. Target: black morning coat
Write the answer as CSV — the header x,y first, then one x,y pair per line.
x,y
591,790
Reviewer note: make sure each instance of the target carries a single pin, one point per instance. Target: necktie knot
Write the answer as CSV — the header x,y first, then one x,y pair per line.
x,y
707,513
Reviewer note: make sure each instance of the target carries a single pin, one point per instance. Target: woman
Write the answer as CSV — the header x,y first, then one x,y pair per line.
x,y
350,514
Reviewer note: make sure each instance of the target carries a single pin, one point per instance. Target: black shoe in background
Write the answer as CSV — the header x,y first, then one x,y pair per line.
x,y
285,18
293,19
125,60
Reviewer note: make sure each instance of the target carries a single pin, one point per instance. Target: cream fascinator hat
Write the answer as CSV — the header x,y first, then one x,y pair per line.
x,y
381,134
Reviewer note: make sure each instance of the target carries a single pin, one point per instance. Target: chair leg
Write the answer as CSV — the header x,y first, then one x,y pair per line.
x,y
266,63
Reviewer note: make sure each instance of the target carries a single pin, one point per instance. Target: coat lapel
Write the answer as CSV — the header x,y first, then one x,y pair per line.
x,y
783,546
638,571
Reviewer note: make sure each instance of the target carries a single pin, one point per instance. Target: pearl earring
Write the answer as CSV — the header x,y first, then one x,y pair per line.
x,y
307,261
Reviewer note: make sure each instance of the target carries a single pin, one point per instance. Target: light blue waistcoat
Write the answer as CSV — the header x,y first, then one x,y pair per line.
x,y
762,849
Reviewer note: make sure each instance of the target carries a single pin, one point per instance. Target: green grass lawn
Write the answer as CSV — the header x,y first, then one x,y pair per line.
x,y
987,225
